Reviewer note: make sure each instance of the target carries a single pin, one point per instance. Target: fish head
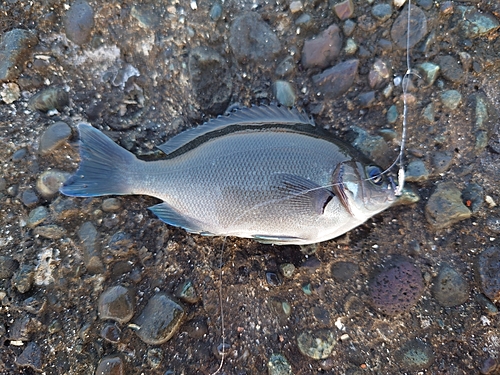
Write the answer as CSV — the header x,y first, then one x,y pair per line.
x,y
363,188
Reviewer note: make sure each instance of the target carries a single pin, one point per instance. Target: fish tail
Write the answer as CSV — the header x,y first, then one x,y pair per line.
x,y
104,166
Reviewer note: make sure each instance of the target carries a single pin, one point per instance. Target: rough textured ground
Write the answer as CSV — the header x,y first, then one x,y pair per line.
x,y
135,77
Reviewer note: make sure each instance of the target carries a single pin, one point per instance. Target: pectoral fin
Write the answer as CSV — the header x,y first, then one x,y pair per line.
x,y
174,218
302,193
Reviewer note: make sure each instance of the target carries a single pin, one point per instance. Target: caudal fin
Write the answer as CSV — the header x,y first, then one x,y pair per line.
x,y
104,166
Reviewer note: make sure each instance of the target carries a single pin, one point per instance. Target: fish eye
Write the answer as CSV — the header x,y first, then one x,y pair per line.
x,y
374,174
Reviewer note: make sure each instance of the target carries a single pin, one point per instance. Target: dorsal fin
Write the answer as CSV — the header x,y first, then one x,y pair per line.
x,y
242,119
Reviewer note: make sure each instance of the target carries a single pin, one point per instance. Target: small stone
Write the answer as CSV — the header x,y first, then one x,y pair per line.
x,y
450,288
344,9
481,112
392,114
366,99
441,161
187,292
473,195
429,72
451,99
210,79
31,357
285,67
382,12
477,23
445,207
52,232
155,357
111,205
451,69
111,365
304,21
429,112
159,320
335,81
23,278
488,306
15,49
216,11
373,146
349,26
7,266
284,93
278,365
287,270
398,3
418,26
493,224
29,198
49,182
116,303
322,50
53,137
396,288
425,4
350,47
49,99
79,22
416,171
252,39
10,92
489,366
316,344
343,271
89,240
19,154
3,184
296,6
62,208
378,74
487,271
415,355
111,333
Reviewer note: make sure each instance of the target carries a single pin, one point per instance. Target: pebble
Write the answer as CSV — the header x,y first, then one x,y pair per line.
x,y
3,183
287,270
343,271
296,6
187,292
344,9
382,12
488,306
317,344
159,320
111,333
29,198
10,92
284,93
415,355
418,24
210,79
450,288
445,207
493,224
49,99
335,81
304,21
396,288
7,266
451,69
90,244
323,49
426,4
373,146
429,72
451,99
79,22
154,357
350,47
111,204
416,171
286,67
378,75
19,154
272,279
487,271
62,208
429,112
51,231
22,280
53,137
392,114
349,27
477,23
278,365
489,366
116,303
252,39
30,357
473,195
15,48
111,365
441,161
49,182
366,99
216,11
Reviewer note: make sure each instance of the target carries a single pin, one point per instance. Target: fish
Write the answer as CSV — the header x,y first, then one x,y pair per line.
x,y
263,172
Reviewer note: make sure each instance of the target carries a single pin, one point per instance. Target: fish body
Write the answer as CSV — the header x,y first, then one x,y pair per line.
x,y
261,173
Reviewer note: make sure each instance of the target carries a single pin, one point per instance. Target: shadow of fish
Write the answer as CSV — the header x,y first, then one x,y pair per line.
x,y
263,172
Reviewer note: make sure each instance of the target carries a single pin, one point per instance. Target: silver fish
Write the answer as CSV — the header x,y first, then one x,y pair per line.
x,y
262,172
